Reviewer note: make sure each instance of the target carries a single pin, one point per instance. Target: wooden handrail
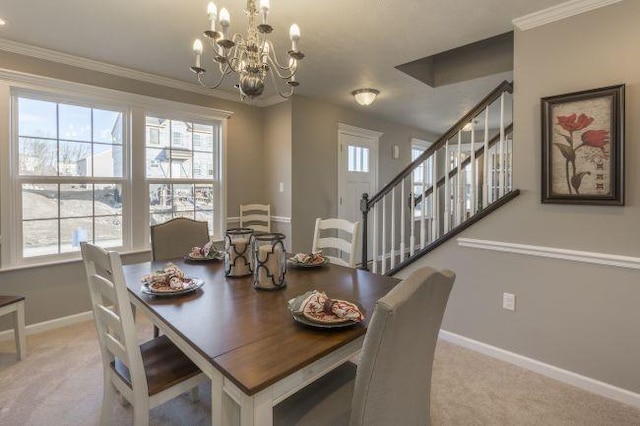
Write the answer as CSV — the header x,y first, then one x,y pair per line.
x,y
505,86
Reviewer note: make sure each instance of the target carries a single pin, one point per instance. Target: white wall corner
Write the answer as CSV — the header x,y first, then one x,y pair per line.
x,y
559,12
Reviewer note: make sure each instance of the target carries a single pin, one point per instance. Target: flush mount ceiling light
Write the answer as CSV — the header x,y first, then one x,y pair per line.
x,y
2,22
252,56
365,96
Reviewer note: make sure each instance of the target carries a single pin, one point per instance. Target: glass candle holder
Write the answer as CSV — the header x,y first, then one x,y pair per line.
x,y
238,257
269,261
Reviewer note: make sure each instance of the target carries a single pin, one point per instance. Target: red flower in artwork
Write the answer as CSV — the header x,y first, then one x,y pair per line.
x,y
571,123
595,138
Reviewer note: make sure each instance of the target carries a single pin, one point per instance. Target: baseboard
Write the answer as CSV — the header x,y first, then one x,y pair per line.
x,y
49,325
565,376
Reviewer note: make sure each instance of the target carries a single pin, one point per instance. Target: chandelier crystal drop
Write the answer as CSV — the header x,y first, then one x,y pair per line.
x,y
252,56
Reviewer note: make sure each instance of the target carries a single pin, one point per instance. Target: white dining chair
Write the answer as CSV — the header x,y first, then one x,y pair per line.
x,y
146,375
337,239
392,383
256,217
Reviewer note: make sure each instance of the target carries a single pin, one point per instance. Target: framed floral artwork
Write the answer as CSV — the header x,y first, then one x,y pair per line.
x,y
583,147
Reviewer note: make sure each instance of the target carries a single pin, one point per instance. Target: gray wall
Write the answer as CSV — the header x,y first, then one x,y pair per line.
x,y
277,158
576,316
60,290
315,159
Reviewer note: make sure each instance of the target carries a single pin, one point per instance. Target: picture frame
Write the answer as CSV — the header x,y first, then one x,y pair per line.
x,y
583,147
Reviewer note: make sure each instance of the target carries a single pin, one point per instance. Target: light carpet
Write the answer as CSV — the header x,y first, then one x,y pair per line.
x,y
60,383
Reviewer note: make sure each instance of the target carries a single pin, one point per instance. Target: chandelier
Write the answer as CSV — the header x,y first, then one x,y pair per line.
x,y
252,56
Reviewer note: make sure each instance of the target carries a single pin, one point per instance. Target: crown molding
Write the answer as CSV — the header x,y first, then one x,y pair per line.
x,y
90,64
272,100
558,12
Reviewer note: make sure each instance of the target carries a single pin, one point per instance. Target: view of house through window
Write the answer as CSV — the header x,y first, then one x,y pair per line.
x,y
70,173
181,169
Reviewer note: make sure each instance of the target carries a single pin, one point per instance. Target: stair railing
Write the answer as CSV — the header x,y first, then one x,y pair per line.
x,y
467,169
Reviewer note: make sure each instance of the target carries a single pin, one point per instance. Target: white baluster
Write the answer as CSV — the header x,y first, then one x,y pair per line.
x,y
402,220
375,238
485,160
447,191
412,220
383,259
434,196
392,252
460,200
423,206
473,170
502,165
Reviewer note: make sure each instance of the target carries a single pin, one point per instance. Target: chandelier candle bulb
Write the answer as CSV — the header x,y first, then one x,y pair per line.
x,y
197,49
294,35
225,21
264,6
212,11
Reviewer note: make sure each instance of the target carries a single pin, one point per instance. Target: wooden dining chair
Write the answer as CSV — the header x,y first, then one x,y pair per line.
x,y
256,217
392,383
175,237
338,240
146,375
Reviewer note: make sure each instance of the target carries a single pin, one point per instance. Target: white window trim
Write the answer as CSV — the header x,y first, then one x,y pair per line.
x,y
136,105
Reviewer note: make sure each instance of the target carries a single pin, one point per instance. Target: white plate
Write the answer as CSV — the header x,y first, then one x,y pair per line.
x,y
196,283
295,264
218,255
304,320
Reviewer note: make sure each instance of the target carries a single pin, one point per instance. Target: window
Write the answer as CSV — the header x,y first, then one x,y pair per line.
x,y
70,172
358,159
181,181
69,175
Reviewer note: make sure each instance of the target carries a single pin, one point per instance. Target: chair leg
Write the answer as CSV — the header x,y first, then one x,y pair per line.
x,y
21,344
140,414
108,398
195,394
156,331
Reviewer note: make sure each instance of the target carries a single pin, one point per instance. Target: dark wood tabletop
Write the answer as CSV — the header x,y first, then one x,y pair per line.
x,y
249,335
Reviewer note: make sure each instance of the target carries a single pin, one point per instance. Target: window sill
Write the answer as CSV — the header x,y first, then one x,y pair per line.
x,y
61,262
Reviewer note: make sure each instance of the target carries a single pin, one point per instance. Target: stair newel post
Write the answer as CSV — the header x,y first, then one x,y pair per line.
x,y
364,208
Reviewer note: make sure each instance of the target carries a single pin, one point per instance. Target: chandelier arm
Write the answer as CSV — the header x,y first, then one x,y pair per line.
x,y
277,71
275,84
274,57
211,86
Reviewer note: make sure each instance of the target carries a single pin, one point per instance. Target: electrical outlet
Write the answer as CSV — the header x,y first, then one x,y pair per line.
x,y
281,186
509,301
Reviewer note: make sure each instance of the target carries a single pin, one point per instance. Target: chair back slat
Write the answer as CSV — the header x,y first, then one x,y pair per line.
x,y
393,381
112,313
340,237
256,217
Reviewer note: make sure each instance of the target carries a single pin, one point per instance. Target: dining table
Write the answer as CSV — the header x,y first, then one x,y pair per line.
x,y
247,341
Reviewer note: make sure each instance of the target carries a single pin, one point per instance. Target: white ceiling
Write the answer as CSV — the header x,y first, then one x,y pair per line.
x,y
349,44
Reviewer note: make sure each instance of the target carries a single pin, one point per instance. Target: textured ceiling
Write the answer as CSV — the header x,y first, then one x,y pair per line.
x,y
349,44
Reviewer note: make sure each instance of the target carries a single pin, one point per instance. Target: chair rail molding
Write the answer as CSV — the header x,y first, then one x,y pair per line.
x,y
559,12
275,219
615,260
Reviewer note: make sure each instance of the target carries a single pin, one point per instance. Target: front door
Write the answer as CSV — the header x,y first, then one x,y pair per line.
x,y
357,172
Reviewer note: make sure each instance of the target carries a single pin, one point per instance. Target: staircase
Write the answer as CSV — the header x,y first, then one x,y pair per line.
x,y
461,178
